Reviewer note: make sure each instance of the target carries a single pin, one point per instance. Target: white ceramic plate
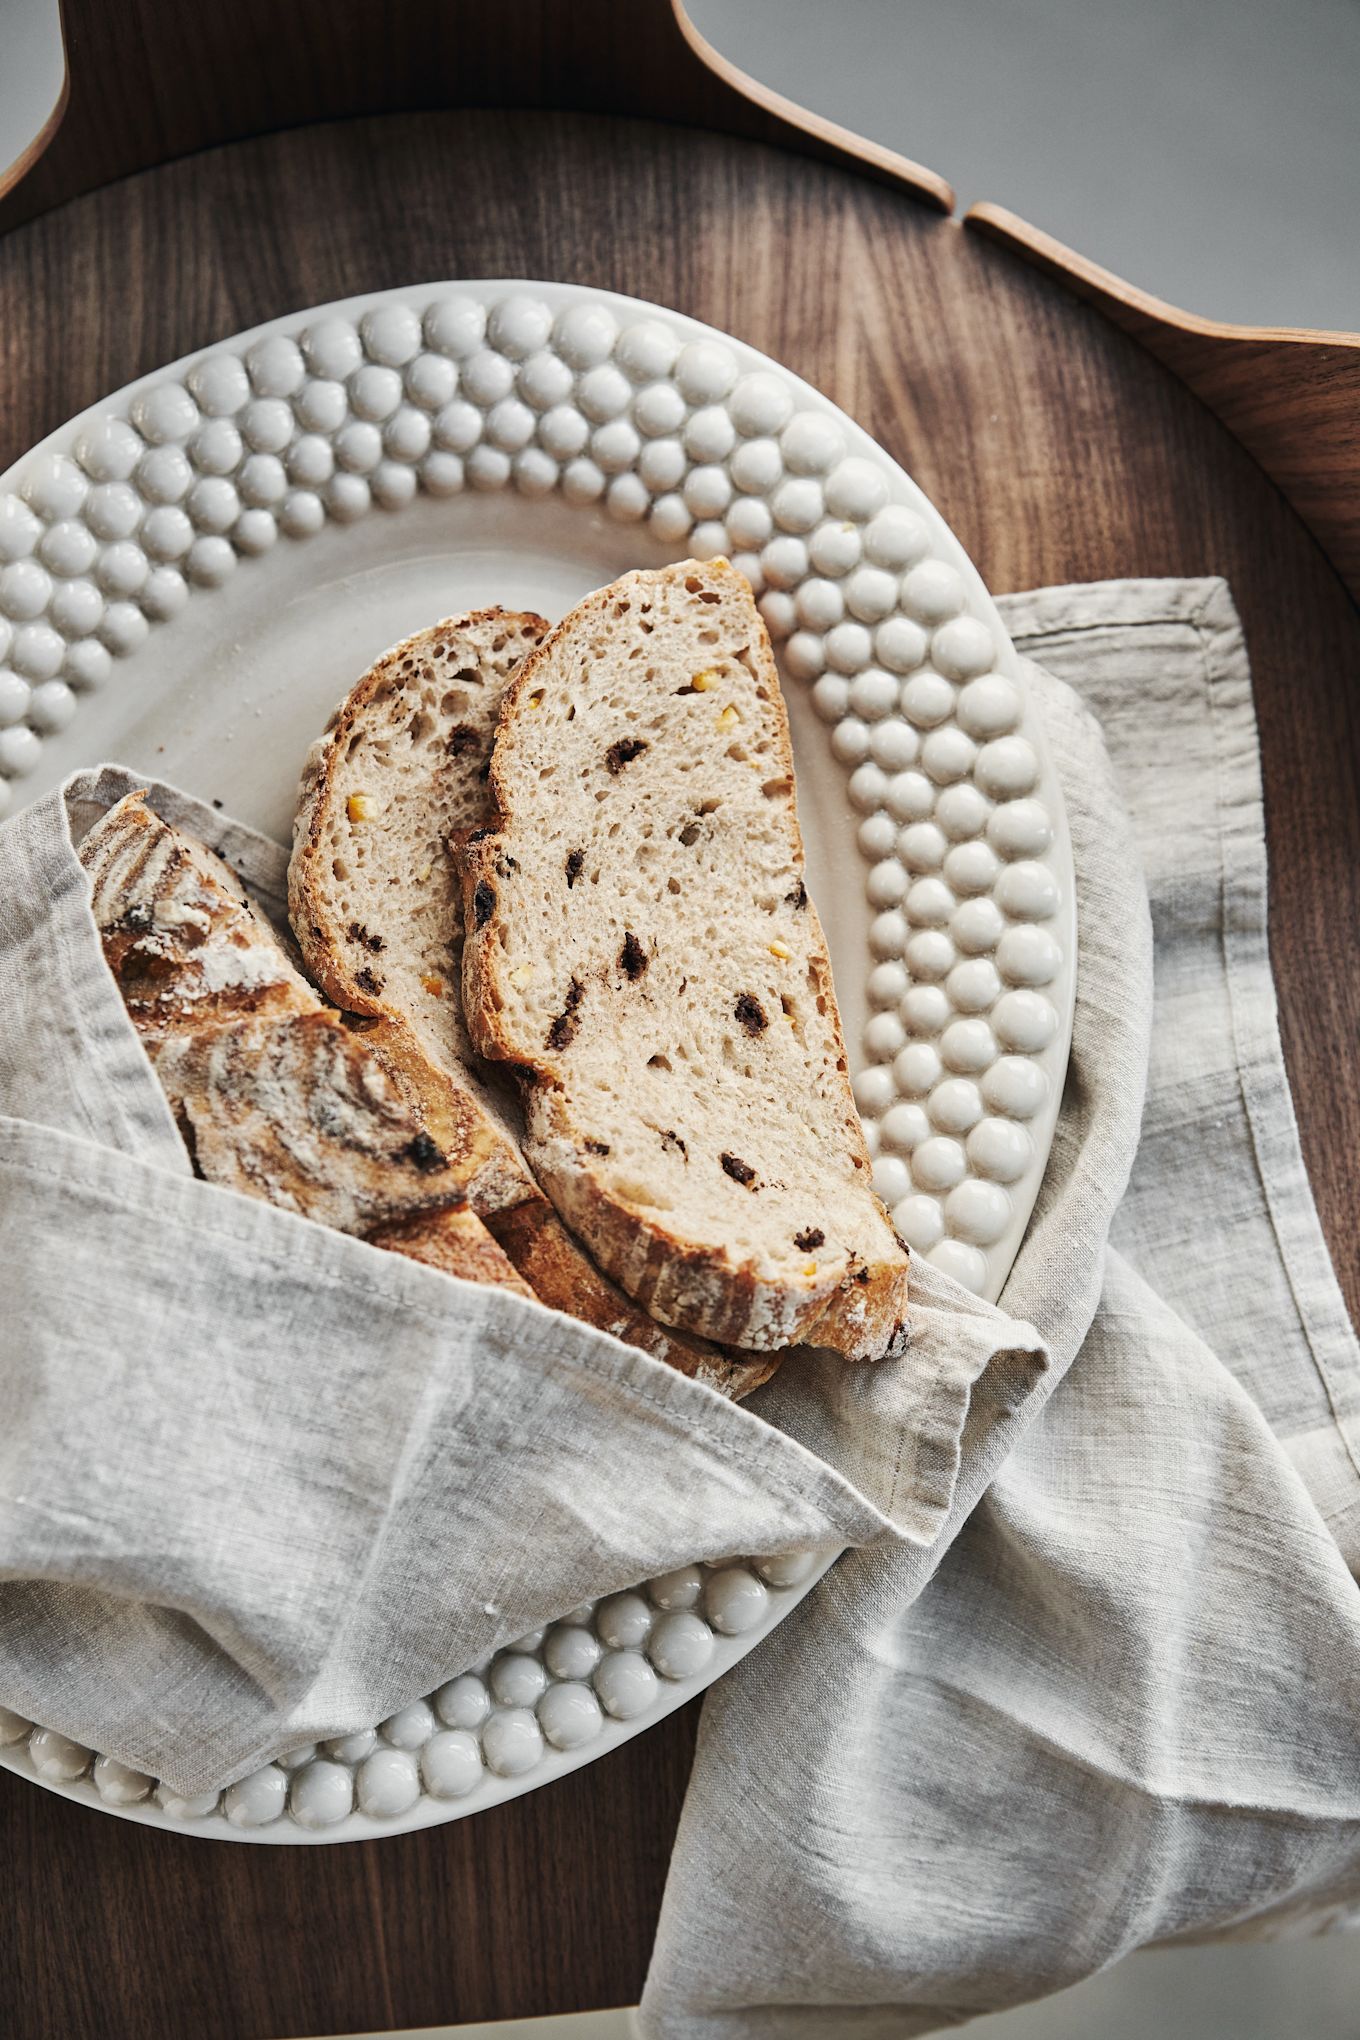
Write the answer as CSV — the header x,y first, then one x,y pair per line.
x,y
194,572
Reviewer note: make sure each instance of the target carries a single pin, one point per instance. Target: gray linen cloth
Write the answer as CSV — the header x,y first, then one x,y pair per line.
x,y
1118,1699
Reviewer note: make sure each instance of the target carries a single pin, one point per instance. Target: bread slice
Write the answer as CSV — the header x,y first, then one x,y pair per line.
x,y
642,951
374,902
273,1095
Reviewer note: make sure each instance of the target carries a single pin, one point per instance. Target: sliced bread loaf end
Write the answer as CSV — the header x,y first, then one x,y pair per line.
x,y
642,950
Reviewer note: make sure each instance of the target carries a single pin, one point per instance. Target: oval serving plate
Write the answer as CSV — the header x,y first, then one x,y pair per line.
x,y
194,572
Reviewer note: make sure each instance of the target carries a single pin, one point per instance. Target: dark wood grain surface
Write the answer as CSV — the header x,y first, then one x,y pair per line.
x,y
1058,450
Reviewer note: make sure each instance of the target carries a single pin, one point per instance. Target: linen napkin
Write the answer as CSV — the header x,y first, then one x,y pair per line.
x,y
262,1484
1118,1700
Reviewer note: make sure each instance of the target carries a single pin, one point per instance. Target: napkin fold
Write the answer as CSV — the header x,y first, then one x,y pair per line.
x,y
1119,1699
262,1484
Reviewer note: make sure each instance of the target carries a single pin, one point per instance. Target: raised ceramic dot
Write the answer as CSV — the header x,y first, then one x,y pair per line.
x,y
52,707
805,655
516,1680
311,461
900,644
623,1621
275,366
166,533
186,1806
15,698
797,503
431,379
348,498
903,1128
1028,892
113,510
989,707
451,1764
615,446
735,1601
962,812
463,1702
571,1652
646,350
887,983
585,335
921,846
20,750
374,392
530,1643
749,525
658,412
896,538
977,926
819,603
393,484
884,1034
257,1800
662,464
569,1716
929,954
165,593
320,1794
929,903
681,1646
669,519
891,1179
1015,1086
877,837
24,589
909,797
303,514
850,741
678,1589
849,649
917,1069
963,1263
707,491
13,1727
213,503
216,448
834,548
963,648
123,628
870,594
321,406
975,985
873,1089
20,530
459,426
924,1009
388,1784
785,1569
544,381
406,435
894,744
705,371
810,444
1028,956
887,883
1020,828
888,934
210,562
759,403
947,754
75,608
920,1221
122,568
512,1742
785,562
486,378
391,334
88,664
1000,1149
294,1759
38,650
856,489
1007,767
165,414
955,1104
968,1047
510,424
757,465
604,393
332,348
164,474
108,449
254,532
932,592
57,1756
535,472
778,613
409,1727
442,474
926,699
582,481
710,434
1024,1021
709,540
263,481
488,467
938,1163
454,326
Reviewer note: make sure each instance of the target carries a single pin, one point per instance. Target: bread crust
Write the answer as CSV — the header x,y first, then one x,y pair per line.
x,y
857,1307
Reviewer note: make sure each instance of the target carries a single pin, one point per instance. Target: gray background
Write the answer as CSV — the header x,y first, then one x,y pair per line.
x,y
1208,150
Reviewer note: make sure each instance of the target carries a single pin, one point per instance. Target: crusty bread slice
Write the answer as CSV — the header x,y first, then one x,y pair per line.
x,y
375,907
273,1095
642,951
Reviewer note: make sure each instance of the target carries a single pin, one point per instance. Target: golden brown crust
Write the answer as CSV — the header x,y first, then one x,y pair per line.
x,y
455,1242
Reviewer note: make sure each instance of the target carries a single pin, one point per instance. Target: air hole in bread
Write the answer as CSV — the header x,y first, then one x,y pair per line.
x,y
658,1062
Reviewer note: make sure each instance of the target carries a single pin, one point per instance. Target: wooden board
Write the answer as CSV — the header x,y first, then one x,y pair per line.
x,y
1059,450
